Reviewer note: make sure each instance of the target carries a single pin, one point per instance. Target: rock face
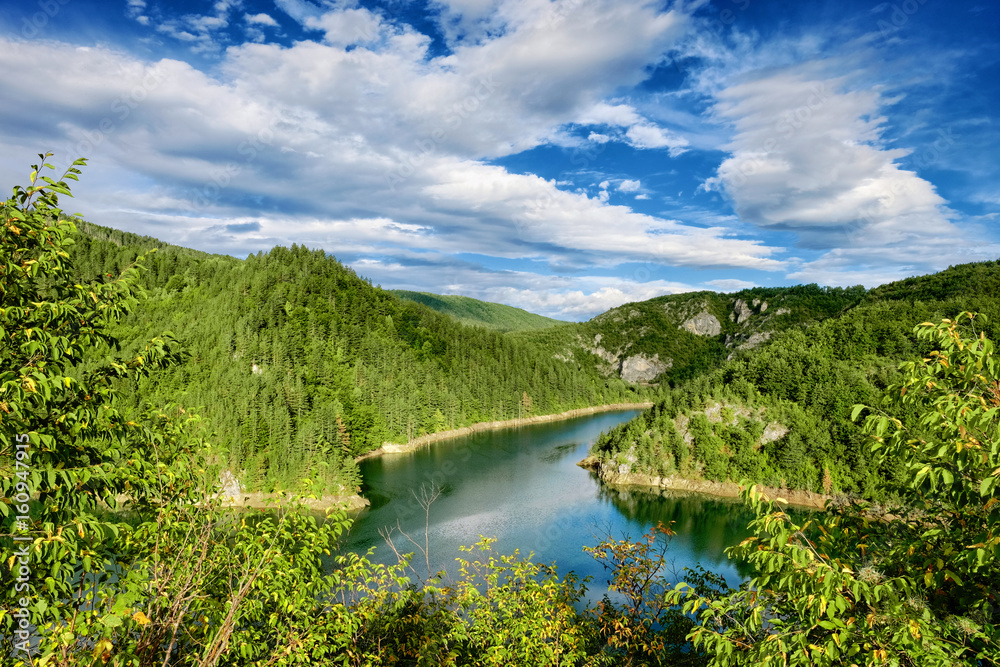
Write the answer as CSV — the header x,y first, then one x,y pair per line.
x,y
703,324
755,340
229,486
743,311
640,368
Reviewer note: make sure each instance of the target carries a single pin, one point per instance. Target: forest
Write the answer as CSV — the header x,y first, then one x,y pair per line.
x,y
132,372
298,365
780,414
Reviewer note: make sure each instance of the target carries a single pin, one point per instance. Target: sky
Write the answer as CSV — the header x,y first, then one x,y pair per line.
x,y
562,156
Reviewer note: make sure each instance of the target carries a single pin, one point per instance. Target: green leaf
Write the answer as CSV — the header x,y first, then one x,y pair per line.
x,y
112,620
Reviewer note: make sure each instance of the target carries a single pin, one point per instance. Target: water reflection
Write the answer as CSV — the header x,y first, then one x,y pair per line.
x,y
705,525
522,486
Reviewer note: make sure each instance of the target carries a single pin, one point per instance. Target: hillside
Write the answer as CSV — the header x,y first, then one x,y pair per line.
x,y
480,313
673,338
298,365
779,413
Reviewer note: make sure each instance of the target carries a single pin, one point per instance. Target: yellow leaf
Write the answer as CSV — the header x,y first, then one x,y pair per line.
x,y
140,618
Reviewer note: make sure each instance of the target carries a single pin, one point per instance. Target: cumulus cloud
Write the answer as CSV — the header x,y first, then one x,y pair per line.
x,y
808,156
629,185
363,143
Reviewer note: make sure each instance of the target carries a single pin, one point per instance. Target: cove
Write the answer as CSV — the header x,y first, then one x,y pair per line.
x,y
523,487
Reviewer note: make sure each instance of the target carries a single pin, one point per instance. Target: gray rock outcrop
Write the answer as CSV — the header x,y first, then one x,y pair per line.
x,y
743,311
702,324
755,340
229,486
640,368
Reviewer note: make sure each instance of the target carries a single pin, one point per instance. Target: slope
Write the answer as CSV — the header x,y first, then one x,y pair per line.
x,y
480,313
673,338
298,365
780,413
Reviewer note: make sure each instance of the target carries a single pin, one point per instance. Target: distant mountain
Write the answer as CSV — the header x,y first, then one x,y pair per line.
x,y
480,313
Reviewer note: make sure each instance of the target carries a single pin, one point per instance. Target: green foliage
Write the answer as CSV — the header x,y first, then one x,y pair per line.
x,y
480,313
804,382
128,558
303,365
657,327
643,628
859,584
109,516
119,555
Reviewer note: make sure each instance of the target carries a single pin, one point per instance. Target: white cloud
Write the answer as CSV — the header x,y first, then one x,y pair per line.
x,y
574,299
135,10
638,132
378,151
200,30
808,157
350,26
260,19
650,136
629,185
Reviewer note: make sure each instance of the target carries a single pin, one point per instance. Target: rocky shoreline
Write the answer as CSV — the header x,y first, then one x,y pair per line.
x,y
424,440
351,502
796,497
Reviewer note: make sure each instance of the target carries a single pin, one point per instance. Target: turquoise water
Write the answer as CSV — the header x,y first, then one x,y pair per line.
x,y
522,486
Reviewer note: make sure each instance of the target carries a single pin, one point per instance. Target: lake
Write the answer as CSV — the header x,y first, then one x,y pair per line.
x,y
523,487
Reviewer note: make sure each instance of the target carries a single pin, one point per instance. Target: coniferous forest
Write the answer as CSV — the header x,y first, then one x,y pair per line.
x,y
315,365
132,373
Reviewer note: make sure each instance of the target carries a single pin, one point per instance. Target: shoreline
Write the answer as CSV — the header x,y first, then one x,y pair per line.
x,y
795,497
257,500
424,440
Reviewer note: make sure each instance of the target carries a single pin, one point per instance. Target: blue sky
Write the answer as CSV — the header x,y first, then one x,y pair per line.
x,y
561,156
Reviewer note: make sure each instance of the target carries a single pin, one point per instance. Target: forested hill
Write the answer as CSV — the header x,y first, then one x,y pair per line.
x,y
480,313
673,338
297,364
780,413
